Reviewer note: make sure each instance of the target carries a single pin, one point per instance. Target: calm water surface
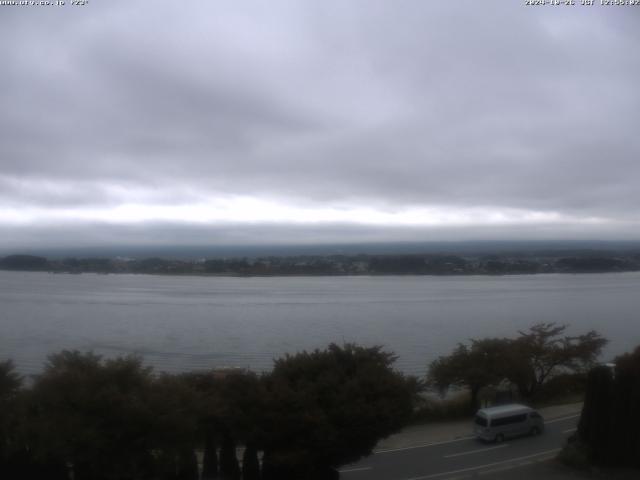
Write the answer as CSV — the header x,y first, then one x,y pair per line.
x,y
180,323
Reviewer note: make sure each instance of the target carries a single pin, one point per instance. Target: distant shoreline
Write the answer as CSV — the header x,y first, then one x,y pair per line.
x,y
524,263
345,275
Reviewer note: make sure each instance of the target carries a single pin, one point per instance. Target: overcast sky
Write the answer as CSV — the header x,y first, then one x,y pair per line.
x,y
217,122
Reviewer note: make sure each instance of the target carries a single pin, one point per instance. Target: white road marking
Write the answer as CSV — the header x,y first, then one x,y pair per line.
x,y
569,430
478,467
478,450
425,445
359,469
497,470
562,418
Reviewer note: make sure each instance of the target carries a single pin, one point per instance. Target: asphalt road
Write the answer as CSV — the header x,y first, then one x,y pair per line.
x,y
462,457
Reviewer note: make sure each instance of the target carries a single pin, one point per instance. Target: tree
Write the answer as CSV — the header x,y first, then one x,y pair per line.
x,y
543,351
625,440
330,407
230,406
24,262
241,398
18,433
95,415
609,428
174,407
594,427
10,384
475,366
10,381
528,361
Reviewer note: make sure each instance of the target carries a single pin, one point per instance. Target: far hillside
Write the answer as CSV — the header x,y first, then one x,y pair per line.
x,y
478,262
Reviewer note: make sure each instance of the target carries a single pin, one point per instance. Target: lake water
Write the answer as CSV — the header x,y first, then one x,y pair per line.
x,y
181,323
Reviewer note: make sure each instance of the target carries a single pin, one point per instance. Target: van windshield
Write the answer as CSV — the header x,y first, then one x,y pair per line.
x,y
481,421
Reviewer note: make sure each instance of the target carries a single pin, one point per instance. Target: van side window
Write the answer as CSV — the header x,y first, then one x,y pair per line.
x,y
508,420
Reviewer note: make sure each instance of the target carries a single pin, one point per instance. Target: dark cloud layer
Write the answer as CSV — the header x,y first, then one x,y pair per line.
x,y
419,105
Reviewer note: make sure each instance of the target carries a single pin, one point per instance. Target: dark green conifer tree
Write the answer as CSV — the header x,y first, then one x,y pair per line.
x,y
595,422
624,444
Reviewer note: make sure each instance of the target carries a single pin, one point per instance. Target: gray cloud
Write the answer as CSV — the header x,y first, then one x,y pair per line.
x,y
348,104
101,235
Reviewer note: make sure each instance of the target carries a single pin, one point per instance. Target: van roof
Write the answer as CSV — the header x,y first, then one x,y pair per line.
x,y
504,409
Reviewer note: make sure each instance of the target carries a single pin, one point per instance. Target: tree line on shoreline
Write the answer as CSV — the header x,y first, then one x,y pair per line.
x,y
432,264
89,418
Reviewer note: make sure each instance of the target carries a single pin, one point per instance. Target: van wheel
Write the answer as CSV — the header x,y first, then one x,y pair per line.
x,y
499,438
535,431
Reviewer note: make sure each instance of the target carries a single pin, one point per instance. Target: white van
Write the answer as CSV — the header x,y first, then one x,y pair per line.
x,y
494,424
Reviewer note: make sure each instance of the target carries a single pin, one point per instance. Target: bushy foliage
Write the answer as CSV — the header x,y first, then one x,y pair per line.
x,y
528,361
433,409
95,414
10,412
596,418
475,366
90,418
10,381
561,387
330,407
544,350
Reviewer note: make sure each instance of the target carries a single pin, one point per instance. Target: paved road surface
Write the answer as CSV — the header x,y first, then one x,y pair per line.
x,y
461,457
